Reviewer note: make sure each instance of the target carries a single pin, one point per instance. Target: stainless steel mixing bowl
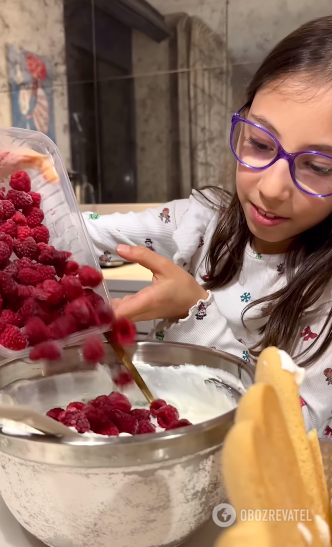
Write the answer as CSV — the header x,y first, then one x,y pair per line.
x,y
147,491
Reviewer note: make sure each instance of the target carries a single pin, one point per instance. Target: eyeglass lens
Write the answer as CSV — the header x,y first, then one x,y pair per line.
x,y
313,172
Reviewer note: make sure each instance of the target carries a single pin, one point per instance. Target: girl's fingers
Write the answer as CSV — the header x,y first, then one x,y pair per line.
x,y
136,305
148,259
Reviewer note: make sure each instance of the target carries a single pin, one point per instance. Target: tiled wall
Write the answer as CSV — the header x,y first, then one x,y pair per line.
x,y
124,133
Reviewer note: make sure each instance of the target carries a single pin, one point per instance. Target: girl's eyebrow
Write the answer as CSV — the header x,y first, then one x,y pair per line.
x,y
319,147
263,121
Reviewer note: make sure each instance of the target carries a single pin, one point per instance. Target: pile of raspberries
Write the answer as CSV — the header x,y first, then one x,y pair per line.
x,y
113,414
45,296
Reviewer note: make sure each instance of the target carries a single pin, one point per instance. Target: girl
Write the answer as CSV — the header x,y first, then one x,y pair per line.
x,y
260,266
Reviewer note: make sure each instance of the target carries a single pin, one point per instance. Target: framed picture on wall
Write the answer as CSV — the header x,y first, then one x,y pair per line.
x,y
31,88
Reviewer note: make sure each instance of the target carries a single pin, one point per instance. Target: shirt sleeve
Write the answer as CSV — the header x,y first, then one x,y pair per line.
x,y
174,230
316,389
204,326
152,228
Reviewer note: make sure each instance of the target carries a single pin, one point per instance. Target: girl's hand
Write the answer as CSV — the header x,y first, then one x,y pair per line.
x,y
172,293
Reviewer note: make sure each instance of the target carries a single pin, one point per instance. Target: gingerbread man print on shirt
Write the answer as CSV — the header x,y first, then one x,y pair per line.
x,y
165,216
328,375
149,244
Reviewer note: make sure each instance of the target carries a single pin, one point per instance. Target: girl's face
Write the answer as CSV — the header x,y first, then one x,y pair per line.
x,y
300,117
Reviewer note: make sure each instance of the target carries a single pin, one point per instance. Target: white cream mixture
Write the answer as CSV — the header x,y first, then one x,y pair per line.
x,y
183,387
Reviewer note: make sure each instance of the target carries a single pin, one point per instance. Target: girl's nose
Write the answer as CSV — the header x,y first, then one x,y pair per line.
x,y
275,183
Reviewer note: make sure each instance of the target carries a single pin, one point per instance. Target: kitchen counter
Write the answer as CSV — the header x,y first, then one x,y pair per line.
x,y
128,278
13,535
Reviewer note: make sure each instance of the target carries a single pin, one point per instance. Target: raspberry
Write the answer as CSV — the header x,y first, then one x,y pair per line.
x,y
145,427
103,403
97,417
120,401
36,199
12,338
156,405
9,286
24,291
12,318
76,406
1,210
124,378
2,193
110,430
28,276
41,234
93,297
123,331
46,350
47,272
43,247
82,310
89,277
179,423
8,240
167,415
72,287
11,269
124,422
104,313
34,216
19,218
53,257
141,414
19,199
20,181
8,208
75,419
71,267
24,263
54,413
93,349
26,249
9,227
63,327
4,252
51,292
36,331
23,232
33,308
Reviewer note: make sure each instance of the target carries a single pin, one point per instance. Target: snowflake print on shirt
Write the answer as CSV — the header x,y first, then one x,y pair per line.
x,y
245,356
160,335
201,311
165,216
281,268
258,256
245,297
149,244
328,431
328,374
94,216
302,402
307,334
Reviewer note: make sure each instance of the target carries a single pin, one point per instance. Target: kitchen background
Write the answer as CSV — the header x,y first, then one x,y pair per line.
x,y
137,95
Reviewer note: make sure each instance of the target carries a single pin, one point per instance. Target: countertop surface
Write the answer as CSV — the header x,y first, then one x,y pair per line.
x,y
132,272
13,535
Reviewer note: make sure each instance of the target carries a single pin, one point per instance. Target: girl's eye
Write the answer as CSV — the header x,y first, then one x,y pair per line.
x,y
259,145
320,169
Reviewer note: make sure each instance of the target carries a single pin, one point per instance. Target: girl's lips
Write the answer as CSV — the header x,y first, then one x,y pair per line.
x,y
258,218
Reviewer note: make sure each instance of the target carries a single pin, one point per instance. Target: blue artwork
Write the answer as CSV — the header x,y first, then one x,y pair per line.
x,y
30,81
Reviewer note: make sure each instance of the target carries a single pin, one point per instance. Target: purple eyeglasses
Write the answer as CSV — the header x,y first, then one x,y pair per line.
x,y
255,147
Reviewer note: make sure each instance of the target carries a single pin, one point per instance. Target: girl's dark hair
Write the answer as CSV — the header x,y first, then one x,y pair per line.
x,y
308,263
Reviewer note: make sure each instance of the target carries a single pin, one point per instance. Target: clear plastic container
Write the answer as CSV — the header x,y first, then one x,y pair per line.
x,y
62,216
